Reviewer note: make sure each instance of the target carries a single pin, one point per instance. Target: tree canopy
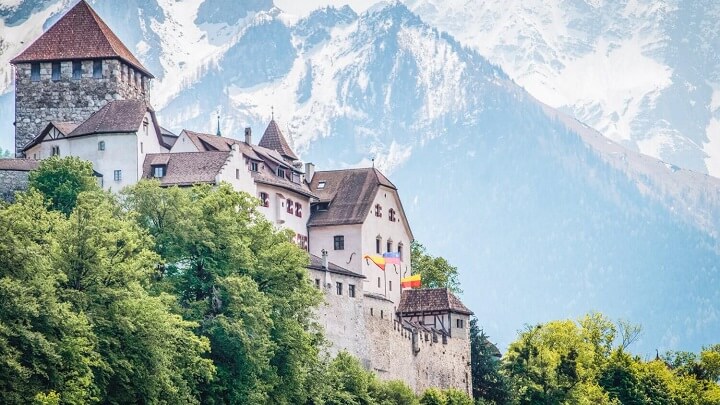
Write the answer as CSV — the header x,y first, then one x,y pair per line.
x,y
436,272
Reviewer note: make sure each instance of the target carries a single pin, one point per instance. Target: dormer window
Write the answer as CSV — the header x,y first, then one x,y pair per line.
x,y
378,210
35,72
159,171
391,215
56,71
321,185
281,172
254,166
323,206
101,145
97,69
264,199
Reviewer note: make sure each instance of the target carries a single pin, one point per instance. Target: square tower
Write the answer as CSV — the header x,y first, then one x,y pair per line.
x,y
71,71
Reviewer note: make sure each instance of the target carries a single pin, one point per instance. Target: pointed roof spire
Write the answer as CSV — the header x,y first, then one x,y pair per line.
x,y
274,139
218,133
79,34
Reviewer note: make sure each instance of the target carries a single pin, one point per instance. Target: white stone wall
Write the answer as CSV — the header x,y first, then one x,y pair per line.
x,y
277,211
350,257
341,316
236,173
183,144
398,232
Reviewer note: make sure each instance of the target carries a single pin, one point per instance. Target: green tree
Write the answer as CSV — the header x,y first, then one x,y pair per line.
x,y
433,396
45,347
148,354
244,282
488,382
435,272
392,393
61,180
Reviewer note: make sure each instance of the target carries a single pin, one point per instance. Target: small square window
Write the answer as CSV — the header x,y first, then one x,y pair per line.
x,y
117,175
321,185
55,151
351,290
339,242
97,69
35,72
56,71
338,288
77,69
101,145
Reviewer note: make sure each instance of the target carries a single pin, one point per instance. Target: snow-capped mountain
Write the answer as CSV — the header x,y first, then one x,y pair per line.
x,y
645,73
545,217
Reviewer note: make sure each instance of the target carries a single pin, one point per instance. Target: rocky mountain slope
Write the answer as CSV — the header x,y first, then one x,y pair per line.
x,y
545,217
645,73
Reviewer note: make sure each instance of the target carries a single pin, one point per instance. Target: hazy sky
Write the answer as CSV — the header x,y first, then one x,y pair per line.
x,y
303,7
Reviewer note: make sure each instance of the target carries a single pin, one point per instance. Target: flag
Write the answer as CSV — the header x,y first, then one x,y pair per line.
x,y
413,281
392,258
378,260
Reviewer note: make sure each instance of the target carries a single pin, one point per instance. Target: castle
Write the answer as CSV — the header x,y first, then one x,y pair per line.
x,y
81,92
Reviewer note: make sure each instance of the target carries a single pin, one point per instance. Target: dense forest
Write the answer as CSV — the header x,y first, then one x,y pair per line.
x,y
188,295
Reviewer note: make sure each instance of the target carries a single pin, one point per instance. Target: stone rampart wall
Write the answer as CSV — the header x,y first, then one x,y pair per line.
x,y
12,181
67,99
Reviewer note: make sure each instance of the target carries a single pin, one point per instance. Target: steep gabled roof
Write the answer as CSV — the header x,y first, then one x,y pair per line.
x,y
117,116
79,34
431,300
350,193
186,168
274,139
64,128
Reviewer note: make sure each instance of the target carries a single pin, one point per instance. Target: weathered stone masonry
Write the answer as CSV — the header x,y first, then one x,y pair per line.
x,y
38,102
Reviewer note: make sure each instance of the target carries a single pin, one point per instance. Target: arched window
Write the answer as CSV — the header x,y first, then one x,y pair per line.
x,y
378,244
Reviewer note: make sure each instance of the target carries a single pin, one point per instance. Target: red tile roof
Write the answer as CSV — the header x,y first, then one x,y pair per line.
x,y
20,165
431,300
79,34
119,116
186,168
350,193
274,139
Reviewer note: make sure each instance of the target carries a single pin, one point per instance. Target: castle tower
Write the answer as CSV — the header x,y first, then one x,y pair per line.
x,y
71,71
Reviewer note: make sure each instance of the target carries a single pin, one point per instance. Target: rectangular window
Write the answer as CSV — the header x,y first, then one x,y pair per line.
x,y
389,245
290,206
400,250
460,323
378,282
338,287
77,70
351,291
35,72
254,166
159,171
101,145
141,148
56,71
382,314
97,69
281,172
117,175
237,173
298,210
55,151
264,199
389,285
321,185
145,126
378,244
317,283
339,242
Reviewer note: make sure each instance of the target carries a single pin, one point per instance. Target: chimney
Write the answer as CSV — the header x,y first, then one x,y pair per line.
x,y
248,135
325,259
309,171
